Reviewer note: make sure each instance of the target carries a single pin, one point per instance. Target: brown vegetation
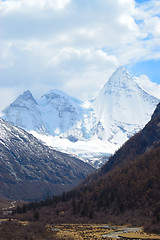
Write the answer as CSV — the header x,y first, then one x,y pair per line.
x,y
17,230
129,194
125,190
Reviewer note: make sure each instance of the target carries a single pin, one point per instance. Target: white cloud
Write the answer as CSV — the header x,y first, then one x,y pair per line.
x,y
5,55
66,44
152,26
9,6
149,86
7,95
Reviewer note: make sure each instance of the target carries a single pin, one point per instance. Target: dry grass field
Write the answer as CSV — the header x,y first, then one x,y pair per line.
x,y
95,232
78,231
140,235
13,229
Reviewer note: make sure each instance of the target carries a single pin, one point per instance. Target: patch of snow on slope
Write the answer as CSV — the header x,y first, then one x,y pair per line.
x,y
89,151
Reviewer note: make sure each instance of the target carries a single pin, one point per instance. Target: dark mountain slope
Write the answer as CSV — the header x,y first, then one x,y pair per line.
x,y
129,183
142,142
128,194
124,191
29,170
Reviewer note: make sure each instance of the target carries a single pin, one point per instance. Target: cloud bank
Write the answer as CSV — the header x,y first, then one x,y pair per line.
x,y
75,47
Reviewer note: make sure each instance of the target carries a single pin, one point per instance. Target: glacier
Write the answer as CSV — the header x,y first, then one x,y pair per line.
x,y
94,129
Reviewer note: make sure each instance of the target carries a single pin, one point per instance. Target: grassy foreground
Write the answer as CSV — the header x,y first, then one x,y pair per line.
x,y
78,231
14,229
95,232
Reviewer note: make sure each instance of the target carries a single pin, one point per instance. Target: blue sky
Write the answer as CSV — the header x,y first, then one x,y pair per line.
x,y
150,67
141,1
75,47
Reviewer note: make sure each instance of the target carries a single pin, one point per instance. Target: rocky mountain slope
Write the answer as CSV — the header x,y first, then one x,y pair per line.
x,y
29,170
92,129
126,190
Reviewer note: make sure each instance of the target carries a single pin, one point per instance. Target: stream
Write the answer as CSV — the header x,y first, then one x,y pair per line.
x,y
119,230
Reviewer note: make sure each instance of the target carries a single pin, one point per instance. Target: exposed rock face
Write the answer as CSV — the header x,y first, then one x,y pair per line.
x,y
29,170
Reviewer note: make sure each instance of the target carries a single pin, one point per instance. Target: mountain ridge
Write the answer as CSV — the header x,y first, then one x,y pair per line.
x,y
120,110
30,170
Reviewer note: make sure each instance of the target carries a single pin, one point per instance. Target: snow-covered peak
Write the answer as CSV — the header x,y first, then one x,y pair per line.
x,y
25,100
60,111
120,90
26,97
24,112
123,106
121,71
121,81
57,94
54,93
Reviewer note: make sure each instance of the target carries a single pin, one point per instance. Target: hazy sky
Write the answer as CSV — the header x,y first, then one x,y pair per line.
x,y
75,45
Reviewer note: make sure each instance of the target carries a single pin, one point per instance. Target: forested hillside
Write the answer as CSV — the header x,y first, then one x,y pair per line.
x,y
125,190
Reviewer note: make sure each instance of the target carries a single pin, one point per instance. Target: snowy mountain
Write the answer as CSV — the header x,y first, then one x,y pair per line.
x,y
92,130
54,114
25,113
30,170
123,107
60,111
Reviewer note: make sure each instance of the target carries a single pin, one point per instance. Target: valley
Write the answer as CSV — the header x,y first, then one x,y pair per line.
x,y
79,120
51,194
31,230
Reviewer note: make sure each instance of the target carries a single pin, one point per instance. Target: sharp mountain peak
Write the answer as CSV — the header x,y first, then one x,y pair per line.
x,y
120,110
